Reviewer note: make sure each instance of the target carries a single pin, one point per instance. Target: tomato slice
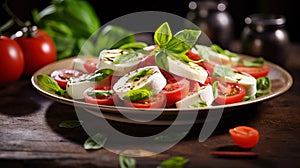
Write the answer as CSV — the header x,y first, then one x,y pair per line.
x,y
90,64
193,55
110,100
256,72
244,136
156,101
175,90
62,76
229,93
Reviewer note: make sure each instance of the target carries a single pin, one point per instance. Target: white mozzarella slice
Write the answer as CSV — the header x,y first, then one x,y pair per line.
x,y
204,94
107,59
76,86
217,57
78,64
188,70
154,81
244,79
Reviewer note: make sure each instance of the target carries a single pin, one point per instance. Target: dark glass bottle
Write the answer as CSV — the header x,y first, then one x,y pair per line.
x,y
213,19
265,35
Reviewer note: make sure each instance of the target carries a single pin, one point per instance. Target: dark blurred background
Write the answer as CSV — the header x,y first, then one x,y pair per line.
x,y
112,9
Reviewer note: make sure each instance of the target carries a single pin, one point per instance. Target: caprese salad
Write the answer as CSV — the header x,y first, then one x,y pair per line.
x,y
174,72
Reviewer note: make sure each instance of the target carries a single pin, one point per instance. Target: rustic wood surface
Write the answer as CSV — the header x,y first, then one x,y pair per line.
x,y
30,135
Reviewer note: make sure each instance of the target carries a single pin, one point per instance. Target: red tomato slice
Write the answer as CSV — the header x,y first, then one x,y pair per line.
x,y
230,93
192,55
256,72
156,101
90,64
175,90
148,61
244,136
62,76
101,100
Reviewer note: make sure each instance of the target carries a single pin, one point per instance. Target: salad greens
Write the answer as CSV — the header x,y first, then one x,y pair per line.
x,y
255,63
95,142
50,85
174,162
126,162
138,94
264,85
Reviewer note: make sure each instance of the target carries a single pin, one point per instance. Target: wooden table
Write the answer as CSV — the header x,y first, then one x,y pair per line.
x,y
30,135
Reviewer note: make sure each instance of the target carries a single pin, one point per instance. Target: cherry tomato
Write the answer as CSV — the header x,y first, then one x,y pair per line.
x,y
175,90
38,49
256,72
11,61
244,136
110,100
62,76
156,101
90,64
229,93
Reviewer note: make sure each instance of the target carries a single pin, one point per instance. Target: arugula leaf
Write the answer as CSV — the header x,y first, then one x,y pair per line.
x,y
70,124
174,162
95,142
138,94
255,63
126,162
163,35
222,71
49,84
263,86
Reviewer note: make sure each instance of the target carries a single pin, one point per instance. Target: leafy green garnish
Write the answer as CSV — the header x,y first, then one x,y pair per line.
x,y
180,43
100,74
255,63
133,45
222,71
215,89
49,84
199,104
126,162
263,85
95,142
140,74
218,49
138,94
100,93
174,162
70,124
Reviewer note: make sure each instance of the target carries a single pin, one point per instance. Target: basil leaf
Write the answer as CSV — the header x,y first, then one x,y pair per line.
x,y
263,85
215,89
133,45
138,94
203,51
70,124
100,93
100,74
95,142
141,74
162,60
49,84
183,41
174,162
163,35
199,104
126,162
255,63
222,71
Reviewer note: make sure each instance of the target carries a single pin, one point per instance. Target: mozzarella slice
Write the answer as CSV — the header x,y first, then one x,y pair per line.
x,y
217,57
108,58
188,70
78,64
153,81
76,86
244,79
204,94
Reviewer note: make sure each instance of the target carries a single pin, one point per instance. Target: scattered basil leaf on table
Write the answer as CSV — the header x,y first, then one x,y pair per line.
x,y
126,162
174,162
70,124
95,142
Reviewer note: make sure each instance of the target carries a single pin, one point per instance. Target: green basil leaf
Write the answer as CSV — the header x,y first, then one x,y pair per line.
x,y
49,84
222,71
255,63
199,104
125,58
100,74
183,41
141,74
138,94
126,162
95,142
133,45
174,162
215,89
70,124
162,60
203,51
163,35
263,85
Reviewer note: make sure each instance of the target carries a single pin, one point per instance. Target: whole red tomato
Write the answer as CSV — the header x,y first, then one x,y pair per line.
x,y
38,49
11,61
